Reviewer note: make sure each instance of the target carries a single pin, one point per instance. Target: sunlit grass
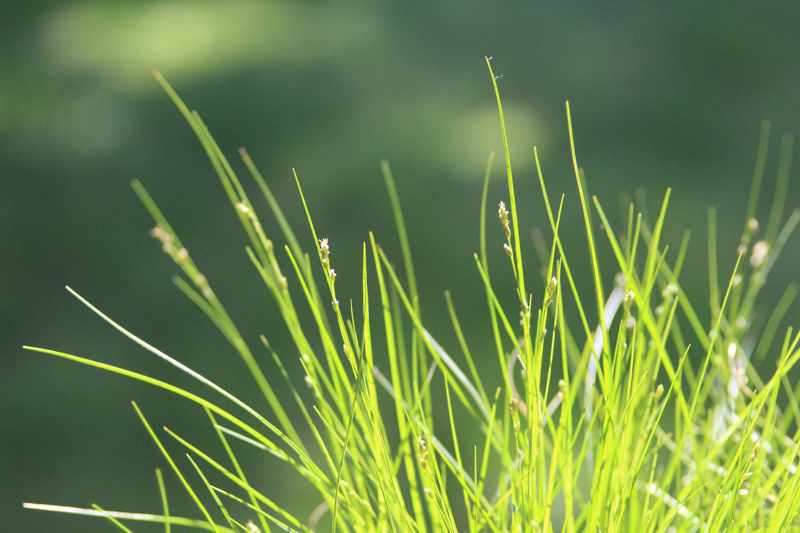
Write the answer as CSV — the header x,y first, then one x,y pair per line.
x,y
654,426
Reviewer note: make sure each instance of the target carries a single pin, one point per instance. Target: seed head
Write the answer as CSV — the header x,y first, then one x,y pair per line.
x,y
552,286
423,452
759,255
659,392
503,212
326,252
628,300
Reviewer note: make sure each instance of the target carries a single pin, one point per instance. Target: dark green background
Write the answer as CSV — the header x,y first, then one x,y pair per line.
x,y
660,97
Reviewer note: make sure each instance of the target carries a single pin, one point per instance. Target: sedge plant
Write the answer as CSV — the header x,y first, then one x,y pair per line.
x,y
644,432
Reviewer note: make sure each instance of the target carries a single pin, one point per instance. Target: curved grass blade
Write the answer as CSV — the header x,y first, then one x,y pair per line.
x,y
164,503
140,517
175,468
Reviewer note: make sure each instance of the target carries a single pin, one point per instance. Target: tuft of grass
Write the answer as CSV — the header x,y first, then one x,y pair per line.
x,y
636,436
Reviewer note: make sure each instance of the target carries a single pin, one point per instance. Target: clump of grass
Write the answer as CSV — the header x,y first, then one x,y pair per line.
x,y
635,437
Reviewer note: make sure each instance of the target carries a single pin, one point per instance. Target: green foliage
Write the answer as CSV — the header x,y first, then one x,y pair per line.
x,y
634,437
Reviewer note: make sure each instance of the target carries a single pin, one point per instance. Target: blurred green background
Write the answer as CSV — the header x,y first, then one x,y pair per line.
x,y
661,97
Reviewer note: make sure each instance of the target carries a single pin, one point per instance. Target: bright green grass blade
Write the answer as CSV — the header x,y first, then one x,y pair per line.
x,y
200,132
460,470
189,371
202,402
274,207
674,386
284,526
437,351
592,252
175,469
242,438
337,486
476,378
359,460
677,334
707,359
266,388
232,477
485,462
485,263
437,487
228,176
639,294
511,197
111,518
382,460
235,463
401,229
419,360
141,517
211,491
338,374
719,504
712,261
163,492
214,309
399,384
653,254
499,311
330,277
204,306
584,322
301,405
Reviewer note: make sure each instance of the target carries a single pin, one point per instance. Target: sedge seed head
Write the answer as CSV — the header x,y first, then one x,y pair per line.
x,y
552,286
503,213
326,252
659,391
759,254
628,300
